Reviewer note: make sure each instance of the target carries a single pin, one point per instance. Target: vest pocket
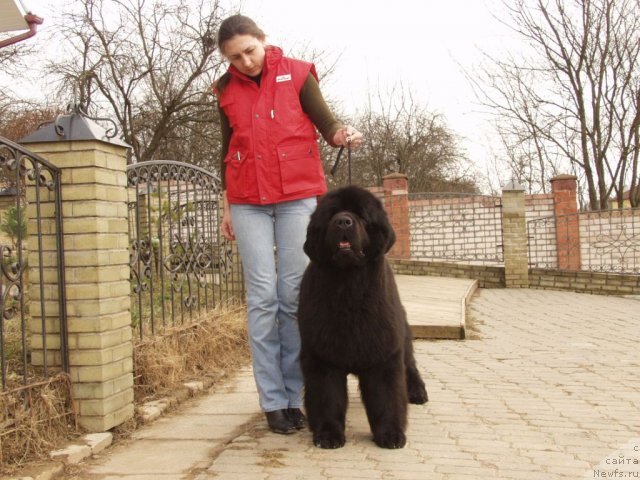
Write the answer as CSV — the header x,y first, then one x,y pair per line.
x,y
300,167
234,173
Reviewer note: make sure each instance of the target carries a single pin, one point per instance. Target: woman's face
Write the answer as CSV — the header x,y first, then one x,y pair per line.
x,y
246,53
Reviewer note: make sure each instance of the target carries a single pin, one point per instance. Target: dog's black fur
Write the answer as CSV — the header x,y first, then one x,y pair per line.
x,y
352,321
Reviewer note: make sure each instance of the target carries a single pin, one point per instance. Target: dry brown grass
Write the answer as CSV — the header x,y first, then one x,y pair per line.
x,y
39,418
34,420
215,345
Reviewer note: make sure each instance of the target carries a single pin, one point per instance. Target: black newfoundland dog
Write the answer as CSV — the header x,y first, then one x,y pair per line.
x,y
352,321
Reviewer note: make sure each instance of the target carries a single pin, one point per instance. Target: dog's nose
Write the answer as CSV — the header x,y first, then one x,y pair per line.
x,y
344,221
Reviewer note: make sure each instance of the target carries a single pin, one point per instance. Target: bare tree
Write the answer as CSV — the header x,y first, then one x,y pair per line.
x,y
402,136
13,57
21,119
13,66
576,97
18,119
150,64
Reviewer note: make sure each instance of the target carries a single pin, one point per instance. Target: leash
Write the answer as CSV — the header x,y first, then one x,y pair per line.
x,y
335,165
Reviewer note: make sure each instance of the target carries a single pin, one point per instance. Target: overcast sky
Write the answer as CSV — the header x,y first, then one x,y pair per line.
x,y
425,44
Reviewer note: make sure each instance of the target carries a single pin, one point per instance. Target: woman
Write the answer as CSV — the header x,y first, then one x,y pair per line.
x,y
270,107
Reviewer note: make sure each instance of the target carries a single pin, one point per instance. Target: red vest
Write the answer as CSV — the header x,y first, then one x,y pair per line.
x,y
273,152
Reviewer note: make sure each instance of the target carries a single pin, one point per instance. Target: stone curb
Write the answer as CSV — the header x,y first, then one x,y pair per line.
x,y
464,303
87,445
94,443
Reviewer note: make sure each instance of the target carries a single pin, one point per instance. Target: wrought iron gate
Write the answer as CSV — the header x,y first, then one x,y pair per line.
x,y
33,319
181,265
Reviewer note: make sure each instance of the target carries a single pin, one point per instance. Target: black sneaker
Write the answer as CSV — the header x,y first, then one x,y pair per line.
x,y
279,422
297,417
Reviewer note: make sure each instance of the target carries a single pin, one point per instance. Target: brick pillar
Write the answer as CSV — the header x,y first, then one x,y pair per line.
x,y
514,237
94,206
564,188
396,203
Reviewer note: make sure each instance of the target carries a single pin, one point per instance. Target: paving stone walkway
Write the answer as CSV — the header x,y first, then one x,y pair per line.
x,y
546,386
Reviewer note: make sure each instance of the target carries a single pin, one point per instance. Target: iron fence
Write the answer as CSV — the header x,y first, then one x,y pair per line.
x,y
33,319
181,265
600,241
462,228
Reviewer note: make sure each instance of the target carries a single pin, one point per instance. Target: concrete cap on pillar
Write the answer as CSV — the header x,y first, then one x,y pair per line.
x,y
564,182
513,186
564,176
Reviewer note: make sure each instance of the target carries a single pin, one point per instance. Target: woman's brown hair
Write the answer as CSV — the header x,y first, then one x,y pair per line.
x,y
238,25
229,28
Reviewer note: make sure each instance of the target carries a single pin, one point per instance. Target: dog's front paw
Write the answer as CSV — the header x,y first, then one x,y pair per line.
x,y
329,439
390,440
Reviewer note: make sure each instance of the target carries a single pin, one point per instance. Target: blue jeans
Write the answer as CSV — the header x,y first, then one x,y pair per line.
x,y
270,240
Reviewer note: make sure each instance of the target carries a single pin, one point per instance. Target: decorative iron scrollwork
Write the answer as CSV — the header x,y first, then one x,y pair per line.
x,y
607,241
180,264
455,226
618,249
26,170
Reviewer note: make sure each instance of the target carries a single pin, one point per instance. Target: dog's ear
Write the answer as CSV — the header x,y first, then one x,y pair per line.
x,y
381,234
390,234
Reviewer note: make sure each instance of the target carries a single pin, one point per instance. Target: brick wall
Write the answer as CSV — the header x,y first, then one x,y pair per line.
x,y
538,206
585,282
456,227
464,236
610,240
539,209
468,229
487,276
493,277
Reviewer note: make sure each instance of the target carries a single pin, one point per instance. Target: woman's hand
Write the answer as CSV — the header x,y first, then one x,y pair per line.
x,y
226,226
348,135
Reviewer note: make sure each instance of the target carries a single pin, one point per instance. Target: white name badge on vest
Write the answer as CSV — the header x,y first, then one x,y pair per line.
x,y
283,78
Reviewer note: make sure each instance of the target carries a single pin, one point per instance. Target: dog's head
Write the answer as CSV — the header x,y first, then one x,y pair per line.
x,y
349,228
